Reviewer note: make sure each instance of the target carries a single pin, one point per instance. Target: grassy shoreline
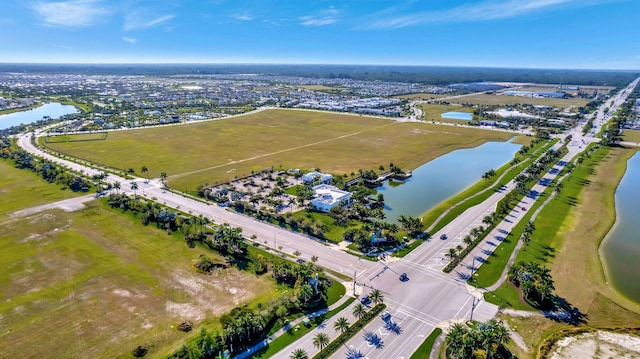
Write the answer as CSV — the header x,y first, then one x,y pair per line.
x,y
21,109
577,266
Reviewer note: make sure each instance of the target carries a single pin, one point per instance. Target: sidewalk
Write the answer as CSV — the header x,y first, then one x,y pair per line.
x,y
288,326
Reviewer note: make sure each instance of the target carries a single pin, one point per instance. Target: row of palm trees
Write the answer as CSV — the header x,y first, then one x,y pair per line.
x,y
321,340
454,252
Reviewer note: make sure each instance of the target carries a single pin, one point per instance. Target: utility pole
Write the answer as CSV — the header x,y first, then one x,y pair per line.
x,y
354,283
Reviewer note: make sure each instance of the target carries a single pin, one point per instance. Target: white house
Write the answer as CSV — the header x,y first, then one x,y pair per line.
x,y
308,178
327,197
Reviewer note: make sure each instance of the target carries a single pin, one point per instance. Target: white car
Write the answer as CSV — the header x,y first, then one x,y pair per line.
x,y
386,316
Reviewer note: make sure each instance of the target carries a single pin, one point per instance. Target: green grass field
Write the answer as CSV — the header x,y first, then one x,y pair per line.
x,y
631,135
20,189
487,99
218,151
96,284
79,137
433,112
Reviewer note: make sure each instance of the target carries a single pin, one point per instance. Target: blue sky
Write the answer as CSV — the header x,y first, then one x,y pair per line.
x,y
498,33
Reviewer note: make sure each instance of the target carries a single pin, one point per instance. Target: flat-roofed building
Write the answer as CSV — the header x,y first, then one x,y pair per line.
x,y
327,197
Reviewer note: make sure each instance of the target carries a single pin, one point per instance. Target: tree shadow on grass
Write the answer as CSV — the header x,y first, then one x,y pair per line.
x,y
572,201
564,312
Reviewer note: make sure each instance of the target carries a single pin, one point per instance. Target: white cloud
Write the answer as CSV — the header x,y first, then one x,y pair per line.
x,y
74,13
131,40
484,11
135,21
325,17
243,18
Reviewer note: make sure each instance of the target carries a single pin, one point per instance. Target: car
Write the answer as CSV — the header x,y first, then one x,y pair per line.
x,y
386,316
403,277
365,300
443,237
524,208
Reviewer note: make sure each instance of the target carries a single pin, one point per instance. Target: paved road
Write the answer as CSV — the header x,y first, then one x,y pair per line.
x,y
427,299
431,297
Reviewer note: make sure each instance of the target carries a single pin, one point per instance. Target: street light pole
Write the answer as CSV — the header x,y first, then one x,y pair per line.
x,y
354,283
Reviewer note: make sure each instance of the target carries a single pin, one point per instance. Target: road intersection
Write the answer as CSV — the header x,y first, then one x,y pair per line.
x,y
428,299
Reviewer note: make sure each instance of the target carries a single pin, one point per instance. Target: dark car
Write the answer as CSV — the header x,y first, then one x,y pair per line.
x,y
403,277
365,300
443,237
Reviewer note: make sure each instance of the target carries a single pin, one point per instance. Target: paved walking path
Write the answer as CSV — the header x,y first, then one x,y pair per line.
x,y
289,326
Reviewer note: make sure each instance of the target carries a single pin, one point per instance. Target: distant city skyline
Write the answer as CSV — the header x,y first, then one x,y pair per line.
x,y
580,34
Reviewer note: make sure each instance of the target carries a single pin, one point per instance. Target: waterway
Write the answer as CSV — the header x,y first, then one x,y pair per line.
x,y
445,176
454,115
53,110
620,249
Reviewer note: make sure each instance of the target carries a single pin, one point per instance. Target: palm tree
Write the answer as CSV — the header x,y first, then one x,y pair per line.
x,y
145,170
376,296
320,341
116,186
359,311
467,240
341,324
163,178
451,254
558,188
455,340
134,188
299,354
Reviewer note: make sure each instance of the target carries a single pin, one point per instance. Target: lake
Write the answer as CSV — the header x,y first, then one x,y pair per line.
x,y
620,250
442,178
453,115
53,110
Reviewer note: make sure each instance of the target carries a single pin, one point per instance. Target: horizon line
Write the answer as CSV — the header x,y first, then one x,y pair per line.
x,y
316,64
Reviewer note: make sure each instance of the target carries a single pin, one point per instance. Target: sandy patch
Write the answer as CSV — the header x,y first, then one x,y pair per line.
x,y
185,310
598,345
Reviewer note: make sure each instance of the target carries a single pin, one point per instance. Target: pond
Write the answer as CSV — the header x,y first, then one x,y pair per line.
x,y
453,115
445,176
620,250
53,110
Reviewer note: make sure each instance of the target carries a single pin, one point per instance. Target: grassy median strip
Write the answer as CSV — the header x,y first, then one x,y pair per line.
x,y
296,333
424,350
349,333
490,271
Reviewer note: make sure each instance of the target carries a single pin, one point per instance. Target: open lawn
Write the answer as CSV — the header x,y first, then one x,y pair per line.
x,y
502,100
432,112
217,151
631,135
567,237
96,284
20,189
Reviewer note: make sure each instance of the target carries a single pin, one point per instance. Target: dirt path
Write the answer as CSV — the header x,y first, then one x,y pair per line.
x,y
69,205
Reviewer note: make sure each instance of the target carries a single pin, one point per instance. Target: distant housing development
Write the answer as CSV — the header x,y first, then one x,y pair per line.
x,y
327,197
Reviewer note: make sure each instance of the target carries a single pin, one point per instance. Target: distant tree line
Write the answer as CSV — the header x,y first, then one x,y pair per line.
x,y
434,75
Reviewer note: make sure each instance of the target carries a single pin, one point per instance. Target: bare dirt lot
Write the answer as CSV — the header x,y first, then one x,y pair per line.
x,y
96,284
